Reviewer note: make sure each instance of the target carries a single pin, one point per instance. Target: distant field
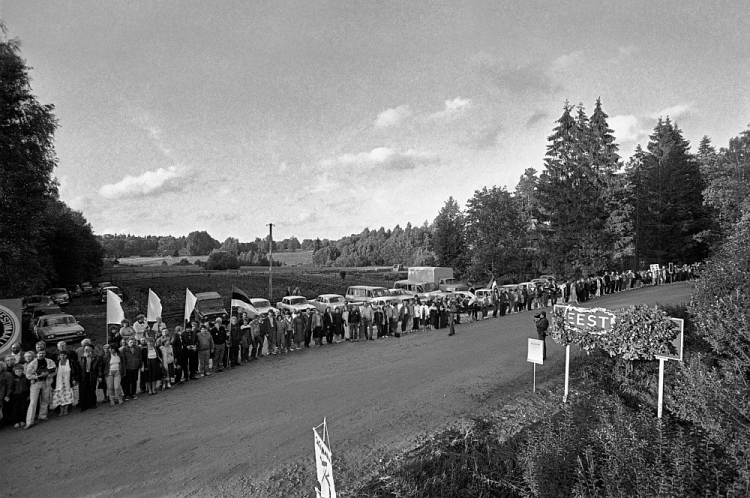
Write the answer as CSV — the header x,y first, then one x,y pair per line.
x,y
296,258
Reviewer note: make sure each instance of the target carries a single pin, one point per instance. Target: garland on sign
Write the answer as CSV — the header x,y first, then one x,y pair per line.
x,y
638,333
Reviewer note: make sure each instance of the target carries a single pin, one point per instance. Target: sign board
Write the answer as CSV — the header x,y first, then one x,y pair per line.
x,y
595,320
654,269
536,351
677,342
10,324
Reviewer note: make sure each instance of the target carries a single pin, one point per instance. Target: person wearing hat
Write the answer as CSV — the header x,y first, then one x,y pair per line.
x,y
542,325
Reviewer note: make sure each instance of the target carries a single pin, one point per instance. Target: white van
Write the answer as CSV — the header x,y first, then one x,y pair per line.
x,y
357,294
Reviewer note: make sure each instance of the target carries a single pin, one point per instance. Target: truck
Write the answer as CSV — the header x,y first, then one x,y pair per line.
x,y
439,275
209,306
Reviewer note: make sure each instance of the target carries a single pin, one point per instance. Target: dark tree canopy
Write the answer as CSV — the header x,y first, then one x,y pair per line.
x,y
449,238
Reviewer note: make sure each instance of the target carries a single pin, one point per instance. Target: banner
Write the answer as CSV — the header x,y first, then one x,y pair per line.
x,y
595,320
154,307
323,464
10,324
114,308
241,300
190,301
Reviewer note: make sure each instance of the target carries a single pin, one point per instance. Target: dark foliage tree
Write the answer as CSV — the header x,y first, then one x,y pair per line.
x,y
449,237
222,260
201,243
574,193
671,213
496,233
41,240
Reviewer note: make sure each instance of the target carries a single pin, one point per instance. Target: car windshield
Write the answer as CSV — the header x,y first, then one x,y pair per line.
x,y
430,287
56,291
215,302
297,300
60,320
261,303
379,292
336,299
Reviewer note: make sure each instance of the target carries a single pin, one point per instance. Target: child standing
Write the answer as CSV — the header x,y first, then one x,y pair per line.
x,y
19,397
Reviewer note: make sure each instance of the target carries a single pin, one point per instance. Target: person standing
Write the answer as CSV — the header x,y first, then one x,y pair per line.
x,y
191,343
542,325
327,326
204,345
317,328
40,372
308,326
245,338
366,316
91,365
132,355
235,336
68,375
113,368
354,319
219,335
298,324
282,331
180,356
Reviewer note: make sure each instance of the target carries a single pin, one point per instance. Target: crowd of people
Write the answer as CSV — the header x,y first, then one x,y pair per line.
x,y
144,358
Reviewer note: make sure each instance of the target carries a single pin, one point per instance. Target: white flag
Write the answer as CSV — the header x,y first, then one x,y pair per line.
x,y
190,301
153,311
114,308
323,465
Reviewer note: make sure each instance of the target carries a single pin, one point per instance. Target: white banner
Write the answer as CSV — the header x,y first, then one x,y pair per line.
x,y
190,301
114,308
154,307
323,465
10,324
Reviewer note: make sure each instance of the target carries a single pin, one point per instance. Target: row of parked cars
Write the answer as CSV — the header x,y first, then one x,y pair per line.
x,y
43,315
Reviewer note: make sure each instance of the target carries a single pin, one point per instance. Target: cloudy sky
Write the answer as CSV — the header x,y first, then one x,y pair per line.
x,y
327,117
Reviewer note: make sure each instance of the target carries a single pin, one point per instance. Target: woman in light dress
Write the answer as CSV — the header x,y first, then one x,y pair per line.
x,y
68,375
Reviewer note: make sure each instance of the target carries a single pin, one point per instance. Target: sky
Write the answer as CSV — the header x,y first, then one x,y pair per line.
x,y
325,117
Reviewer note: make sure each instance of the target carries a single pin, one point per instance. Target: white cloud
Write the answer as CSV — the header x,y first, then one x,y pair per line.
x,y
147,183
383,158
627,128
566,61
393,116
627,51
452,108
675,111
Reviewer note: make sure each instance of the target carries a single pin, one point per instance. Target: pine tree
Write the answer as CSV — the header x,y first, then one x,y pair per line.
x,y
449,239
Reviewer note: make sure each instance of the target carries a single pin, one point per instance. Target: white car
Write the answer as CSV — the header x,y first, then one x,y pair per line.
x,y
332,301
60,327
294,304
401,294
262,305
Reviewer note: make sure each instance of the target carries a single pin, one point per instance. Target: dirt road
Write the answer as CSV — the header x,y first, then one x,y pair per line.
x,y
247,432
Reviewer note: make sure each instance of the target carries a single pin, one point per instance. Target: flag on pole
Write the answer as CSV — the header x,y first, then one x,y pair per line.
x,y
241,300
153,310
190,301
323,463
491,283
114,308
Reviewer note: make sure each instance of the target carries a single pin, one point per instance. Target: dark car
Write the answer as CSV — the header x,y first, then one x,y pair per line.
x,y
74,291
31,302
103,293
87,288
59,295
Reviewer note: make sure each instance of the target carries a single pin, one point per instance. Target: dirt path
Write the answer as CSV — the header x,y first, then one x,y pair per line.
x,y
247,432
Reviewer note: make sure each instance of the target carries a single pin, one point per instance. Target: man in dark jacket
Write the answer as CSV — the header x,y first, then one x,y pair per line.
x,y
219,335
91,372
542,325
235,336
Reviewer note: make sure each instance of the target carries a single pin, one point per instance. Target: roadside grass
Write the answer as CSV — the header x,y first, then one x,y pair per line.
x,y
606,441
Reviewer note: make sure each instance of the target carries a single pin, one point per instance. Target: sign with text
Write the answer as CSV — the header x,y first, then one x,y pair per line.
x,y
677,342
594,320
10,324
536,351
654,269
324,465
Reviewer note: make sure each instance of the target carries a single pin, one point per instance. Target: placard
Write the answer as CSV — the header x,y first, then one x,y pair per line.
x,y
535,352
10,324
678,342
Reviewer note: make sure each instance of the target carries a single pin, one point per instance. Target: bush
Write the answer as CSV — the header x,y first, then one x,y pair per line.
x,y
183,262
222,260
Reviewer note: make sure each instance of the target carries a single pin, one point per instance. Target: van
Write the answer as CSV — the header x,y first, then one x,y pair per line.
x,y
364,293
420,289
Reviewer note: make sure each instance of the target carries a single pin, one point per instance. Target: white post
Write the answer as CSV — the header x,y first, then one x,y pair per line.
x,y
567,372
534,377
661,387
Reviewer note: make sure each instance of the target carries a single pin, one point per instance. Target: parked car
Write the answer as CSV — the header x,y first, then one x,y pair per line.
x,y
28,303
39,311
87,288
451,284
102,285
262,305
358,294
58,327
379,302
59,295
332,301
74,291
294,304
103,293
401,294
209,306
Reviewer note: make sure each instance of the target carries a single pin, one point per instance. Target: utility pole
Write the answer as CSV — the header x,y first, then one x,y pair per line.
x,y
270,262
